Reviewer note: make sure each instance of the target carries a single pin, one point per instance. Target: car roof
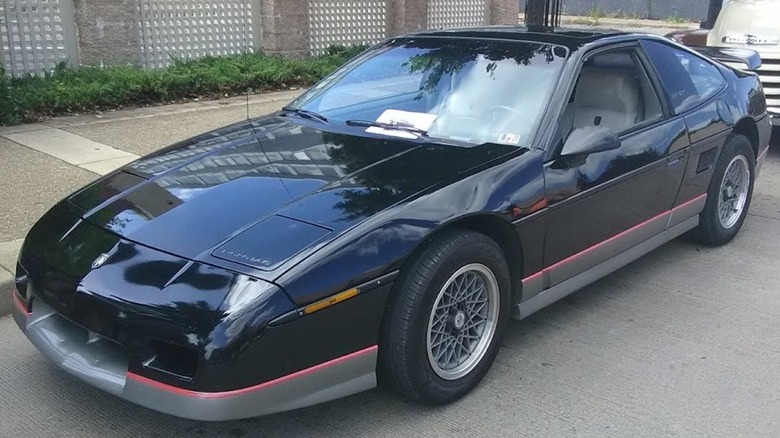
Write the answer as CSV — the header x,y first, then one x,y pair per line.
x,y
572,38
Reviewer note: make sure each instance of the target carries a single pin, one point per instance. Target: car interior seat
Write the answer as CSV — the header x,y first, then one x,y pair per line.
x,y
606,97
608,94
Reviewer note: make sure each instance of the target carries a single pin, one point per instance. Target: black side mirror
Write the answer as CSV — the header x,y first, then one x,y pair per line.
x,y
589,140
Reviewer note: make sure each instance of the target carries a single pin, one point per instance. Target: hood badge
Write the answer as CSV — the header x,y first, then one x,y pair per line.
x,y
100,261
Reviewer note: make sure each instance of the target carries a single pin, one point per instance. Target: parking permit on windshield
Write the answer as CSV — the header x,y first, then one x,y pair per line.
x,y
422,121
509,138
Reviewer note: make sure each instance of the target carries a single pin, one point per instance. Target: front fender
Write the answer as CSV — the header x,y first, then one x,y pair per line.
x,y
381,243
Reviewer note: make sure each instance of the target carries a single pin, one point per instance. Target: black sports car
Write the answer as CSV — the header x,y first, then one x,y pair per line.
x,y
389,221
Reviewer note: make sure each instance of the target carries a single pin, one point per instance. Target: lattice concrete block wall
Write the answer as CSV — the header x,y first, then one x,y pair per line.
x,y
193,29
346,22
457,13
36,35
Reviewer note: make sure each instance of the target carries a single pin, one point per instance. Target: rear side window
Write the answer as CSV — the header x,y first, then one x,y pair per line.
x,y
687,78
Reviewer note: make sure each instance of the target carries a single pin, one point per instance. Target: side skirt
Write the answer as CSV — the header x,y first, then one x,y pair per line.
x,y
555,293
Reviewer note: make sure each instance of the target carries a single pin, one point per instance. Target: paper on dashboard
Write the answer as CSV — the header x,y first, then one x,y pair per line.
x,y
422,121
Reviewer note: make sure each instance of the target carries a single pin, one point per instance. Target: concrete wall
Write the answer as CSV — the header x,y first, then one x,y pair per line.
x,y
406,16
693,10
107,31
285,23
285,27
503,12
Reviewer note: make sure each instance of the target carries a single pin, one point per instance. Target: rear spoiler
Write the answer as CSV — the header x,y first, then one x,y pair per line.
x,y
744,59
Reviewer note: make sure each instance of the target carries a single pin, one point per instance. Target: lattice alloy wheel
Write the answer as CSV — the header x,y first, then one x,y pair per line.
x,y
463,321
733,191
729,193
447,315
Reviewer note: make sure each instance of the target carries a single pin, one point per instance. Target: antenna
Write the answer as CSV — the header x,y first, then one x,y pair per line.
x,y
247,30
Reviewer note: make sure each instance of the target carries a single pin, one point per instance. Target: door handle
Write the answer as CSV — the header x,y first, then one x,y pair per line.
x,y
675,159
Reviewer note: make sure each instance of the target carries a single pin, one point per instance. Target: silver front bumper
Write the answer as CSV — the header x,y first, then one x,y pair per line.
x,y
104,365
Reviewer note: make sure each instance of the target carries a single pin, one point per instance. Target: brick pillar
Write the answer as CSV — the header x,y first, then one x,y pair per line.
x,y
504,12
405,16
285,27
107,31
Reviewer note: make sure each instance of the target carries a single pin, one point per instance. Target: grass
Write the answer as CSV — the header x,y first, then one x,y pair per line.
x,y
584,22
675,19
68,91
627,15
594,14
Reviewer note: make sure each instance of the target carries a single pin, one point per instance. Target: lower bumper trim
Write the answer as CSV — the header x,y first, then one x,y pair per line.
x,y
103,365
334,379
260,387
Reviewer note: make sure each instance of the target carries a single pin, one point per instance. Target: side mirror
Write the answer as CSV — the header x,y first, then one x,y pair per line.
x,y
589,140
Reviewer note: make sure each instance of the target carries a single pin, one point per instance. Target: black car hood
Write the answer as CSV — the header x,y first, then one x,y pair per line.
x,y
264,179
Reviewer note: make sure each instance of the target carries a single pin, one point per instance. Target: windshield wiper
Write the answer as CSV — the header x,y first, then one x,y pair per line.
x,y
397,126
305,113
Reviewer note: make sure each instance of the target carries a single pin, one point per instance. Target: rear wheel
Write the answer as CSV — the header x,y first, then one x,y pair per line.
x,y
729,194
448,314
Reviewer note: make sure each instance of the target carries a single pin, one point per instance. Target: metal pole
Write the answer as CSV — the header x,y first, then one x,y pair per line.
x,y
712,13
543,13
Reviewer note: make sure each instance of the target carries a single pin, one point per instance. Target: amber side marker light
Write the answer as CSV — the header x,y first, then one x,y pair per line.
x,y
327,302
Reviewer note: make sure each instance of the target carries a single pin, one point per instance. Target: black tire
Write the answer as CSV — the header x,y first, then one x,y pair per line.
x,y
711,231
403,350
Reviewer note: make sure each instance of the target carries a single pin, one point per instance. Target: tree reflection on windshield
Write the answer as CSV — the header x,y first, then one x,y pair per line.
x,y
480,90
450,59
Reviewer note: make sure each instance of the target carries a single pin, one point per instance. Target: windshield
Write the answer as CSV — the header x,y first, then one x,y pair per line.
x,y
467,90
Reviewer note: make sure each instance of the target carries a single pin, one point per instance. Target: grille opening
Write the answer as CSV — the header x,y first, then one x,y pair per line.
x,y
706,160
171,359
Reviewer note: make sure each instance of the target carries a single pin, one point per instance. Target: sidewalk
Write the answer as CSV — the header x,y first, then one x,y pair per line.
x,y
42,163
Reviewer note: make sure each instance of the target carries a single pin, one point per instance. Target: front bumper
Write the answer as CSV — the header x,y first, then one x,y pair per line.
x,y
104,364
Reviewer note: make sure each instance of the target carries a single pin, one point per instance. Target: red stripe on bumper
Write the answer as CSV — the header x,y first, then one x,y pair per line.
x,y
210,395
20,304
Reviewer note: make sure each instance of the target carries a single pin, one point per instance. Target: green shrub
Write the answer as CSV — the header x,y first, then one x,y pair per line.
x,y
66,91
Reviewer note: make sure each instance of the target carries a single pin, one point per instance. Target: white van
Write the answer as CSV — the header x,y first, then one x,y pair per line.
x,y
754,24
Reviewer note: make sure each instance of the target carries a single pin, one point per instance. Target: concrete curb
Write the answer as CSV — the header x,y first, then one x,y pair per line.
x,y
135,113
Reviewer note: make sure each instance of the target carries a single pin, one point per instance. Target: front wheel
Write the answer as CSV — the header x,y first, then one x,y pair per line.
x,y
446,319
729,194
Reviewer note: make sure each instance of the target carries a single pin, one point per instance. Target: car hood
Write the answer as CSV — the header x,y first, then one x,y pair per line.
x,y
257,193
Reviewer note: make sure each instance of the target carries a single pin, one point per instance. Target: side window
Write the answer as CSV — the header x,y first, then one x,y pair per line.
x,y
688,78
613,91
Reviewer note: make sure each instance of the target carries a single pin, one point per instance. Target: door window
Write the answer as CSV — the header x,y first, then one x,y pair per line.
x,y
613,91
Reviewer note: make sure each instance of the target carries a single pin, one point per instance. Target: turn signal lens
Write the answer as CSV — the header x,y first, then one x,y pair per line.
x,y
327,302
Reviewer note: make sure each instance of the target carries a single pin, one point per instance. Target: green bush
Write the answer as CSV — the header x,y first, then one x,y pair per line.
x,y
66,91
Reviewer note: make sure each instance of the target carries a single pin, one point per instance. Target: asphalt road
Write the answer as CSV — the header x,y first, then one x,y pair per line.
x,y
683,342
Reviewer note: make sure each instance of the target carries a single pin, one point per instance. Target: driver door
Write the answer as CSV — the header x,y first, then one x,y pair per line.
x,y
606,202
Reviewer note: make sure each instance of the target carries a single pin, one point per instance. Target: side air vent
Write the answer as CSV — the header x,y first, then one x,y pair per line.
x,y
706,160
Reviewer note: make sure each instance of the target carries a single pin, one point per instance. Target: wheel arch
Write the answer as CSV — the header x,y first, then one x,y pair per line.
x,y
497,229
747,127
